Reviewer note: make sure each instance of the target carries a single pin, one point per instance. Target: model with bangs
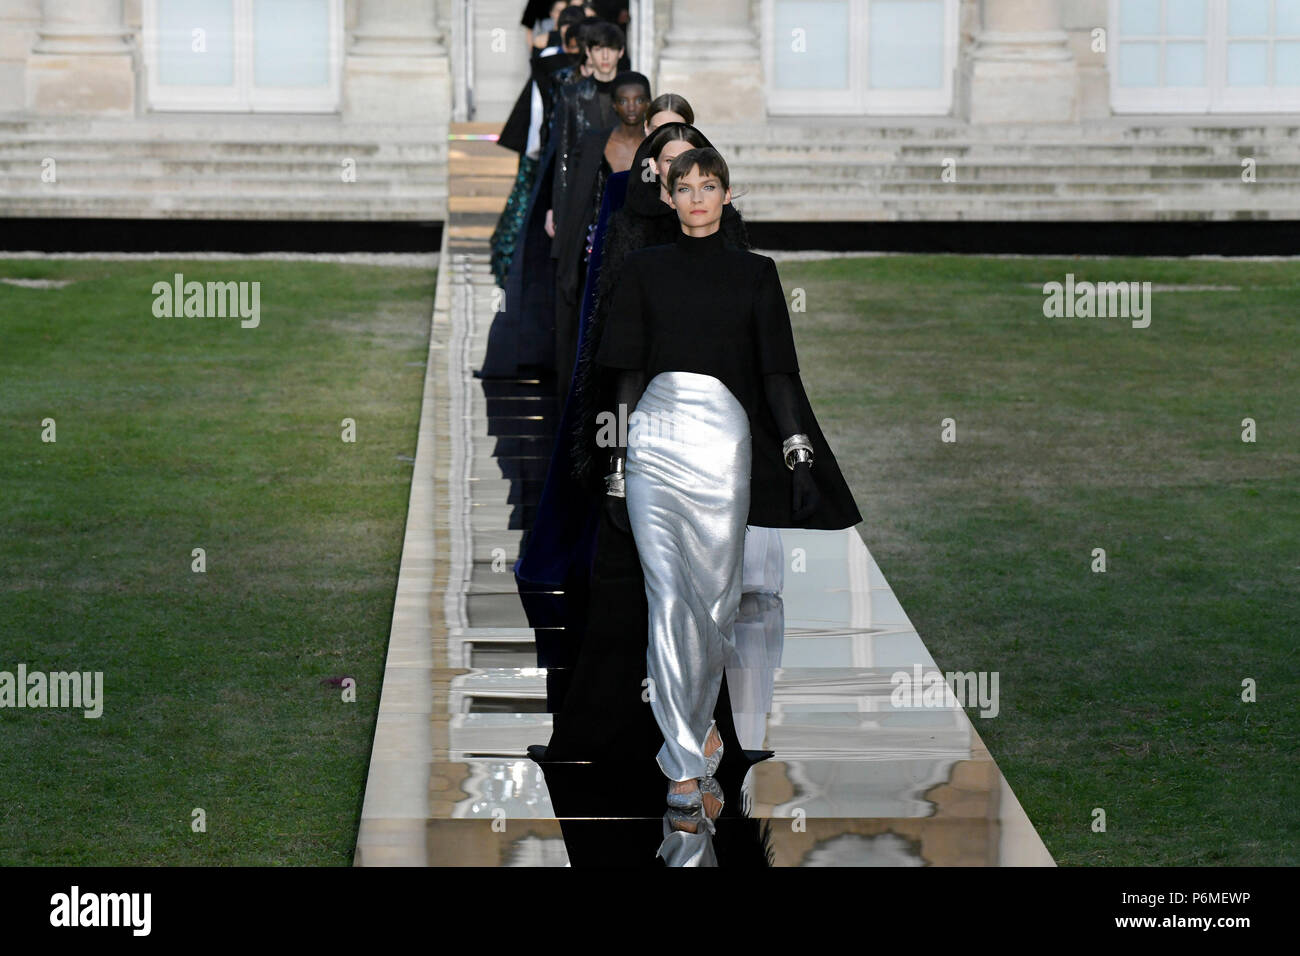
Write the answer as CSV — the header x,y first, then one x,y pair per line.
x,y
720,434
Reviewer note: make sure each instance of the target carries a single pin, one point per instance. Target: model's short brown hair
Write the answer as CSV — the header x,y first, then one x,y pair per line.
x,y
707,158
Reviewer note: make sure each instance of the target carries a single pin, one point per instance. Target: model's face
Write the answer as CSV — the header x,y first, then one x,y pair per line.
x,y
663,116
630,103
556,9
604,61
666,156
699,201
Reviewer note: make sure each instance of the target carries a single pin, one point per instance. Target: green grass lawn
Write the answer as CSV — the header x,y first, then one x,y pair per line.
x,y
183,433
1119,690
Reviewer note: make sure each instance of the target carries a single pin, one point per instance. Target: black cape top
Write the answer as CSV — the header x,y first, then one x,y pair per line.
x,y
514,134
699,305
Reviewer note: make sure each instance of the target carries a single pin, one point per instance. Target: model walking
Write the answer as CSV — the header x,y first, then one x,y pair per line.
x,y
724,437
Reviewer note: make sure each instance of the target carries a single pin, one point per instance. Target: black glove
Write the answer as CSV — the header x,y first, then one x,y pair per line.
x,y
628,387
783,400
803,501
616,512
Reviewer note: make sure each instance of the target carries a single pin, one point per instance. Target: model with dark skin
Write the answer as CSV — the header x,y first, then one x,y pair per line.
x,y
630,103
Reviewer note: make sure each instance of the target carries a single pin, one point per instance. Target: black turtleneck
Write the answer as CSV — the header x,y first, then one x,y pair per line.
x,y
707,245
700,305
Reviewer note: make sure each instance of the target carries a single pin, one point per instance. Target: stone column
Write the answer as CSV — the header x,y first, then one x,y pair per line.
x,y
83,61
395,67
1020,69
711,56
19,21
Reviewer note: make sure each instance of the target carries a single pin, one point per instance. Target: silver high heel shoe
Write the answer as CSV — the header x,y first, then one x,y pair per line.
x,y
713,760
714,789
687,802
688,821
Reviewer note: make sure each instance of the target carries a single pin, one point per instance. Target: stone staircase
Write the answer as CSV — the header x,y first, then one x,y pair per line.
x,y
264,167
801,172
218,167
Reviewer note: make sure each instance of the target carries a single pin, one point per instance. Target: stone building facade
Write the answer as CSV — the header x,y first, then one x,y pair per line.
x,y
1094,109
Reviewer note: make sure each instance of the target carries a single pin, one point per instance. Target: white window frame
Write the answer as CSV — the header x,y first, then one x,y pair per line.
x,y
859,99
1216,96
242,96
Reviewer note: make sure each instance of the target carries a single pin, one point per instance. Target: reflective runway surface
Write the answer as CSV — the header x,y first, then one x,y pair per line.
x,y
857,777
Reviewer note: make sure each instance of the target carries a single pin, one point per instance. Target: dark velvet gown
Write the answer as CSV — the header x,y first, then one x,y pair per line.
x,y
561,545
521,339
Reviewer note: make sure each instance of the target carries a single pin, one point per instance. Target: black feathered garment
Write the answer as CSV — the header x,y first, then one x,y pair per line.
x,y
698,305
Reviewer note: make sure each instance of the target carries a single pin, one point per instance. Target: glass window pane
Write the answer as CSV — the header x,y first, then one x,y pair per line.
x,y
1247,64
179,63
1247,18
1139,64
1184,64
1286,63
291,42
905,45
1185,18
1139,17
810,45
1288,18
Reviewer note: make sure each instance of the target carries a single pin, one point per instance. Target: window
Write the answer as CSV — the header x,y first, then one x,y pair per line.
x,y
243,55
1203,56
884,57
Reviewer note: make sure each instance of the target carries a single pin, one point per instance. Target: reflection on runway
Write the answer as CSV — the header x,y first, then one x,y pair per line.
x,y
852,777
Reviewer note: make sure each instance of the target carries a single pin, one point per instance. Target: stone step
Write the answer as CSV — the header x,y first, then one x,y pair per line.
x,y
1173,131
415,151
244,184
115,206
1090,210
849,188
116,165
1043,150
209,126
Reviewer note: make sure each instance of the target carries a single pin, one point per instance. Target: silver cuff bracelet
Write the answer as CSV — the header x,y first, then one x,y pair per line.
x,y
797,455
796,448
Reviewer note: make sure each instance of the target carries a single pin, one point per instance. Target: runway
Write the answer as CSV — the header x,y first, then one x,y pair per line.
x,y
862,776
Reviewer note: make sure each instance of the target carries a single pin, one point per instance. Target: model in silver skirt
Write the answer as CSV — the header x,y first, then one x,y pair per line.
x,y
687,487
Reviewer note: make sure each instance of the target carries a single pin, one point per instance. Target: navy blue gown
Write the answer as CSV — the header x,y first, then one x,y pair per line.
x,y
561,544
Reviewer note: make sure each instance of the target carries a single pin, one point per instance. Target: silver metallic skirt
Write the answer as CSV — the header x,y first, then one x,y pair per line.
x,y
687,486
